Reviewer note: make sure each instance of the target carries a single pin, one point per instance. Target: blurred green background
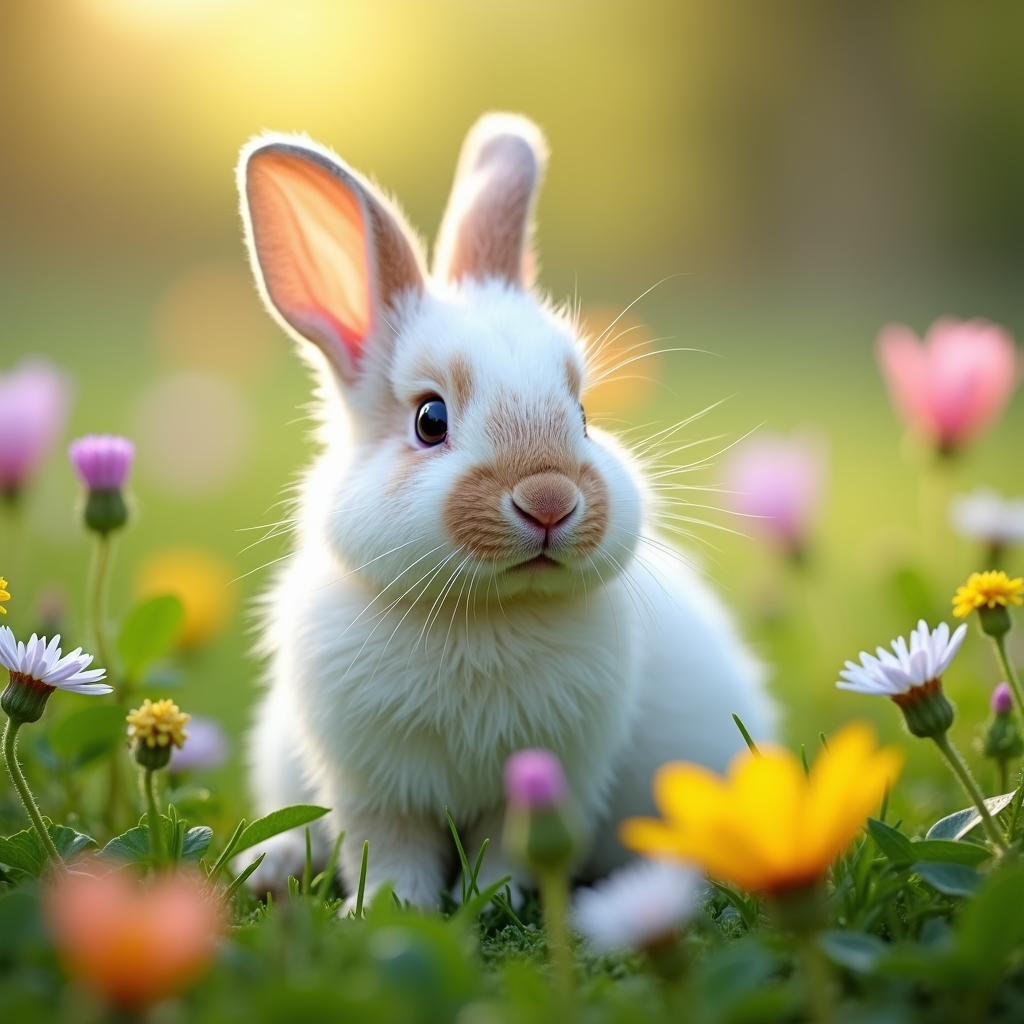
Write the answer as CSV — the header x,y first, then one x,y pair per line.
x,y
807,171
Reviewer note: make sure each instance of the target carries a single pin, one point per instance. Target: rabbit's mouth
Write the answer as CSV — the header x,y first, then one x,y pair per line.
x,y
539,562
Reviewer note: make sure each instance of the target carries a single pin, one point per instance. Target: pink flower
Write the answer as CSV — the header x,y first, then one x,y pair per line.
x,y
102,461
777,482
954,386
534,778
1002,700
34,402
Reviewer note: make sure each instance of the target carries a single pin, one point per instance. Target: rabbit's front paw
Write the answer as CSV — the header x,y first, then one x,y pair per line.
x,y
285,855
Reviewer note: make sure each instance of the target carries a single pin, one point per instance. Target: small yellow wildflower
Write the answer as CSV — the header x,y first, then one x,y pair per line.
x,y
987,590
767,826
4,596
199,579
158,725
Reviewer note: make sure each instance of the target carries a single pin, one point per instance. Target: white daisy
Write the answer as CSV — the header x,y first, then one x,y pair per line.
x,y
987,516
42,662
641,904
929,655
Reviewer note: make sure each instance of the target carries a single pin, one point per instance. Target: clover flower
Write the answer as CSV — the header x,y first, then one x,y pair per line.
x,y
154,730
767,826
134,945
37,669
640,906
4,595
955,385
34,401
999,738
103,462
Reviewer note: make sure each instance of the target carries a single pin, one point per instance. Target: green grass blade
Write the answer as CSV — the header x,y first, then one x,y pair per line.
x,y
241,877
361,891
218,866
332,866
746,735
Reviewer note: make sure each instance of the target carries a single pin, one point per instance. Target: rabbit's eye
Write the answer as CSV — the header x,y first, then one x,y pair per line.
x,y
583,416
432,421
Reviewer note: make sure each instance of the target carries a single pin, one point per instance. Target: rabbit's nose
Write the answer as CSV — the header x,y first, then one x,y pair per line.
x,y
546,498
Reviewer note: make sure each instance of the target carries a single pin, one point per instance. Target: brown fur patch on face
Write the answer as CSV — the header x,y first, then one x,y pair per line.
x,y
594,522
460,378
573,377
525,446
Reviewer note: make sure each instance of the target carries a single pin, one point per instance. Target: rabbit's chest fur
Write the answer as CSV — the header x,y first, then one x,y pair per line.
x,y
418,708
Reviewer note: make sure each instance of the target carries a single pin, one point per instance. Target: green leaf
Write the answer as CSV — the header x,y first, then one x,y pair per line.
x,y
89,733
895,845
951,879
276,822
958,824
853,950
132,847
149,631
68,841
992,927
947,852
24,854
197,842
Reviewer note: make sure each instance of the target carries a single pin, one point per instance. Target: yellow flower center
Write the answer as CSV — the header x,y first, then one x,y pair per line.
x,y
158,725
4,596
987,590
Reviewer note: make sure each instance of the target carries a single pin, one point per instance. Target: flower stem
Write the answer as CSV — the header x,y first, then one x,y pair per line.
x,y
156,835
99,578
21,785
816,973
961,771
555,897
1008,671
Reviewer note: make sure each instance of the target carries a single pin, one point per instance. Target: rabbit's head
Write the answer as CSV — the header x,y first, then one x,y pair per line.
x,y
458,459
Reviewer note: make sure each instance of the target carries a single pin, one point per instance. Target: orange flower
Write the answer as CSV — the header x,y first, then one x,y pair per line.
x,y
134,944
767,826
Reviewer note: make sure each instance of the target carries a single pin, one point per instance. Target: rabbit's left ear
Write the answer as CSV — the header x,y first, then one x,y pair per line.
x,y
330,252
487,228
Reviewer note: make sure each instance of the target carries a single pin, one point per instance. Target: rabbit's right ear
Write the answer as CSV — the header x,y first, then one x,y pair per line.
x,y
329,252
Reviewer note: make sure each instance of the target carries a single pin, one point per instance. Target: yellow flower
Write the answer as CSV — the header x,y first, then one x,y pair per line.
x,y
766,826
987,590
4,596
200,580
159,724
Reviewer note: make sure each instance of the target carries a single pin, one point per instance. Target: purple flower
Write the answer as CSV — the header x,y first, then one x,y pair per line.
x,y
534,778
206,746
102,461
777,482
34,402
1002,699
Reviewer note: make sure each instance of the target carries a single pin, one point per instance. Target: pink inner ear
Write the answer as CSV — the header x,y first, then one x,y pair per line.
x,y
309,232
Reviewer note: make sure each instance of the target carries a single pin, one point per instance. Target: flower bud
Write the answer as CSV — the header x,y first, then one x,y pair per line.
x,y
927,710
24,698
994,621
103,462
154,730
542,831
1002,699
1000,738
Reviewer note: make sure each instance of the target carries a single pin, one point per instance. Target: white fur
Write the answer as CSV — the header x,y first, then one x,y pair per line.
x,y
403,673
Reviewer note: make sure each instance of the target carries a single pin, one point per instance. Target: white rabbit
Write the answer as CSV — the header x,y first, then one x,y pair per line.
x,y
465,581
